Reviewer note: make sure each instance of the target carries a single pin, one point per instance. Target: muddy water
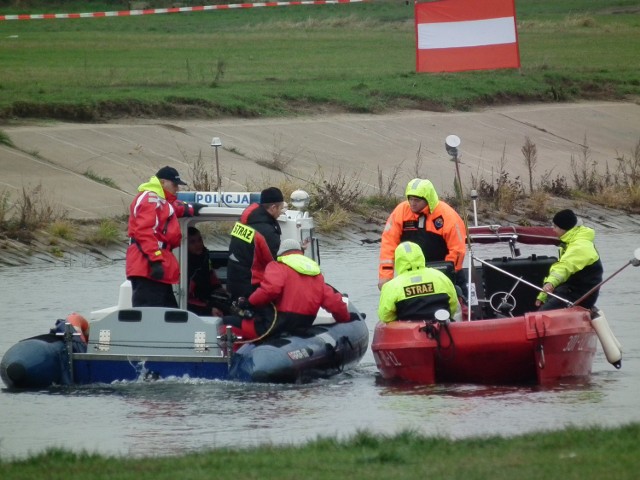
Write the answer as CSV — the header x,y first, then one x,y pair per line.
x,y
171,417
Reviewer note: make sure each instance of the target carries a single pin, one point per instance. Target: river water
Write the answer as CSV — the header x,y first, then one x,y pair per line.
x,y
172,417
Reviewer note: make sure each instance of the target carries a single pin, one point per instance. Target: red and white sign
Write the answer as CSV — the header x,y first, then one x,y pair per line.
x,y
458,35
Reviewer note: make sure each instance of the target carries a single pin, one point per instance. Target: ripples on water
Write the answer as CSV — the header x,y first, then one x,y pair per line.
x,y
179,415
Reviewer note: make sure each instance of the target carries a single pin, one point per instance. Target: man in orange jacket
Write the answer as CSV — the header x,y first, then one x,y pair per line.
x,y
426,220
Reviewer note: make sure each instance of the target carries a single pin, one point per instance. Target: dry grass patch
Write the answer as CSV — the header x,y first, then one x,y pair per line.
x,y
336,191
107,233
537,206
63,229
332,221
280,156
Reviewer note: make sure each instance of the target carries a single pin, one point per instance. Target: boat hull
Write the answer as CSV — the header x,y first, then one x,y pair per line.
x,y
90,369
37,362
538,347
155,343
322,351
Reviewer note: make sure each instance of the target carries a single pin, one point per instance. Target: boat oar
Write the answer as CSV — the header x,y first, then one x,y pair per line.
x,y
635,261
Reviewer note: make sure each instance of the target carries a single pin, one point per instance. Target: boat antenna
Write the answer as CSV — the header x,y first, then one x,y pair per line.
x,y
451,144
474,199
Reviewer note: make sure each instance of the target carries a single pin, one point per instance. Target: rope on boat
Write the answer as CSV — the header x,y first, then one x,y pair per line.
x,y
265,334
432,329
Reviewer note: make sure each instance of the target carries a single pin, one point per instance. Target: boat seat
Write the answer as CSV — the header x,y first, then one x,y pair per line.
x,y
533,269
446,268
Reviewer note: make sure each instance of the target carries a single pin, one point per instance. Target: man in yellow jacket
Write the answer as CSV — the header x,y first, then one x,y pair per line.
x,y
578,268
417,291
427,221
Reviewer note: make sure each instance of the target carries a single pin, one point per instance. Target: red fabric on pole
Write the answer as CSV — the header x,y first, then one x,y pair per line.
x,y
459,35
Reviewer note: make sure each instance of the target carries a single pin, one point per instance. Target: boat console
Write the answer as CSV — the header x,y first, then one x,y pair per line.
x,y
508,285
533,269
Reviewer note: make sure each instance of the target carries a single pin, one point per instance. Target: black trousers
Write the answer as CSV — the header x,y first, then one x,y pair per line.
x,y
149,293
570,294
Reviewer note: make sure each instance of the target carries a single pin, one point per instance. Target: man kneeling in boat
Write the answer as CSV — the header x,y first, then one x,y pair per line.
x,y
417,291
296,288
578,268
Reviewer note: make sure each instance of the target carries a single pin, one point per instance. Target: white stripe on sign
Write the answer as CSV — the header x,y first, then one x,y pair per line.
x,y
494,31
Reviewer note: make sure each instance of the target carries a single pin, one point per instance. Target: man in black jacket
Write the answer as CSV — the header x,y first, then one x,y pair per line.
x,y
255,240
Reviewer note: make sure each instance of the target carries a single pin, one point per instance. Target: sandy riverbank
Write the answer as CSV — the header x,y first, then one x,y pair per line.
x,y
58,156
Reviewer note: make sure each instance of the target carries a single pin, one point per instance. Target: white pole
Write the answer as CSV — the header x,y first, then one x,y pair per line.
x,y
215,143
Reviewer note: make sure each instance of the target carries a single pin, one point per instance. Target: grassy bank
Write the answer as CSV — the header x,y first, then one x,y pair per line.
x,y
568,454
289,60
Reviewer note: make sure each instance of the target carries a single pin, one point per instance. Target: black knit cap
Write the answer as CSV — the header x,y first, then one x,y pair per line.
x,y
271,195
565,219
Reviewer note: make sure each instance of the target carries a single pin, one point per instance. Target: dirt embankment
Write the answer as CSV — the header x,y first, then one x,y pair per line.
x,y
47,249
93,170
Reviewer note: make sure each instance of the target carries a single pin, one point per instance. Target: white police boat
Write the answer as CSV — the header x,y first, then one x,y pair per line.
x,y
131,344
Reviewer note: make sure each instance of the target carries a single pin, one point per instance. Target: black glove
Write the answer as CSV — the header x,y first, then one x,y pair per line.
x,y
196,208
242,308
243,303
157,270
353,316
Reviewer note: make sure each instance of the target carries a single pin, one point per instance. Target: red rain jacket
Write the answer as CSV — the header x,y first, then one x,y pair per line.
x,y
298,295
154,231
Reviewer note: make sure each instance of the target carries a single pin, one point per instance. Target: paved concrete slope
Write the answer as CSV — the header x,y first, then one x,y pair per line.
x,y
62,156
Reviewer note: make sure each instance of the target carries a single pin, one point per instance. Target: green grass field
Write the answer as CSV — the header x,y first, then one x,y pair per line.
x,y
289,60
571,454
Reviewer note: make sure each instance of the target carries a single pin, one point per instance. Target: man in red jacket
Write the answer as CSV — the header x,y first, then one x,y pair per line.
x,y
153,232
297,290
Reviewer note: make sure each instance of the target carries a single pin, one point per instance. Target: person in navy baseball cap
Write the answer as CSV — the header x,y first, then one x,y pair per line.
x,y
154,231
171,174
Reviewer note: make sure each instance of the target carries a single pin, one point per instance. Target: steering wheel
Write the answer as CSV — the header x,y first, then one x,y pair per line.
x,y
503,303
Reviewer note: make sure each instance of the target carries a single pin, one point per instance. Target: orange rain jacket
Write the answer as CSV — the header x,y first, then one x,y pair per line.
x,y
438,229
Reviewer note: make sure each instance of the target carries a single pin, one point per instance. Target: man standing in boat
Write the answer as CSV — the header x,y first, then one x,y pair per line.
x,y
417,291
153,232
255,240
427,221
297,290
578,268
